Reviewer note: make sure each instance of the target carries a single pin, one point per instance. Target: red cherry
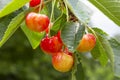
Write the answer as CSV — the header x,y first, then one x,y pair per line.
x,y
87,43
62,61
34,3
67,51
37,22
51,45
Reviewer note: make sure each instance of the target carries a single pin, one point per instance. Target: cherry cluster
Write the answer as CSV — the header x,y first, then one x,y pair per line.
x,y
62,58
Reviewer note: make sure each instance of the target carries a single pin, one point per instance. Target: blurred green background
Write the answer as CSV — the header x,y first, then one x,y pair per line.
x,y
18,61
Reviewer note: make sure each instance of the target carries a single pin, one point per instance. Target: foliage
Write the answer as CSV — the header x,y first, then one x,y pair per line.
x,y
19,61
109,8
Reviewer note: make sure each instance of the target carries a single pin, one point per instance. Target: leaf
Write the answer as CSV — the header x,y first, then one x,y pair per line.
x,y
33,37
103,37
12,6
71,34
5,21
100,32
100,51
110,8
77,70
79,9
12,27
79,34
116,48
58,24
68,34
109,50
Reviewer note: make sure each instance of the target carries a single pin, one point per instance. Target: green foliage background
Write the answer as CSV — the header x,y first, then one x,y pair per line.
x,y
18,61
21,60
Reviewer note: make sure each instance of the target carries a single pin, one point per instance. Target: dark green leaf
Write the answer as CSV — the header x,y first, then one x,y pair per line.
x,y
80,72
12,6
71,34
5,21
12,27
77,71
33,37
110,8
68,34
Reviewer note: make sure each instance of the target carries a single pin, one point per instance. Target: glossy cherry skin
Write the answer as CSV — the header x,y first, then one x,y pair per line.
x,y
34,3
51,45
37,22
62,61
87,43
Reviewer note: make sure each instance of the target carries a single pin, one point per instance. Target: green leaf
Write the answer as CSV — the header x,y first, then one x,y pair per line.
x,y
33,37
110,8
68,34
12,6
100,32
5,21
79,34
12,27
77,70
79,9
100,51
109,50
116,48
71,34
103,37
58,24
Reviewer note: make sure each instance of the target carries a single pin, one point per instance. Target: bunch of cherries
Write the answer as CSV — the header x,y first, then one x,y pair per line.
x,y
62,58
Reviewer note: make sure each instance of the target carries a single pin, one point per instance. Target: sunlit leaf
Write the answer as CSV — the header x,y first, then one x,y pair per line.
x,y
110,8
33,37
12,6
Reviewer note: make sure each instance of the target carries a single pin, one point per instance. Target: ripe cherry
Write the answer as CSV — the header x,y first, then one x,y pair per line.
x,y
87,43
62,61
34,3
51,45
37,22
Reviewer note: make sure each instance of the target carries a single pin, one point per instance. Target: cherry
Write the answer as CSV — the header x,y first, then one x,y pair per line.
x,y
87,43
62,61
51,45
34,3
37,22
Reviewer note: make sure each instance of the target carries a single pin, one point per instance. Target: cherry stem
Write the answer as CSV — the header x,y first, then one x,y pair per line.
x,y
67,12
52,12
47,1
40,5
